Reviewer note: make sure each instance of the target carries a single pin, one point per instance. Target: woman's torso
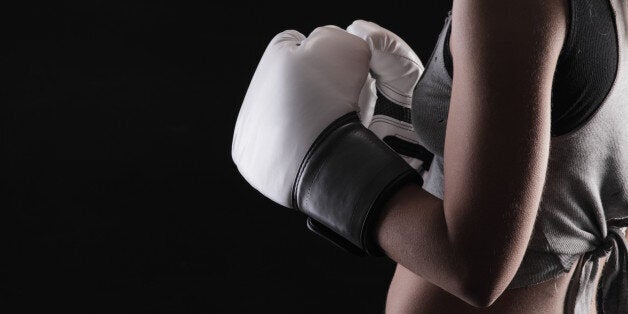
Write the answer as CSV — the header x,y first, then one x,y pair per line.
x,y
587,180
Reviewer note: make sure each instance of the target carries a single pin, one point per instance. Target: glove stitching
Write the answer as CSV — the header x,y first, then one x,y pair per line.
x,y
402,57
396,102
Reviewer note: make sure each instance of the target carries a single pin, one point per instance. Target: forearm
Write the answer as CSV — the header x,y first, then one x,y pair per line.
x,y
413,231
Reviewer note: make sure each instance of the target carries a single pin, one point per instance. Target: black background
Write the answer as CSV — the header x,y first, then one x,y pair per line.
x,y
118,190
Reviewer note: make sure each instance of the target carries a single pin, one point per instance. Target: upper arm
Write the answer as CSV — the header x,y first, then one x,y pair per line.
x,y
498,130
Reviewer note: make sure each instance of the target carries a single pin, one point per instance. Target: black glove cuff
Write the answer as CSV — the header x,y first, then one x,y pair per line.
x,y
344,181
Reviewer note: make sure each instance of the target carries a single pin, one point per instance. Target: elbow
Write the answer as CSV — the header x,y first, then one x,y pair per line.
x,y
481,298
482,277
481,291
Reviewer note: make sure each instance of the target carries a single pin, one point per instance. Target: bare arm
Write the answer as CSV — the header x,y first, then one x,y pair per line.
x,y
496,152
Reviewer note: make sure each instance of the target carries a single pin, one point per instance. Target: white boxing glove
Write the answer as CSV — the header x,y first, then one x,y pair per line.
x,y
298,139
386,99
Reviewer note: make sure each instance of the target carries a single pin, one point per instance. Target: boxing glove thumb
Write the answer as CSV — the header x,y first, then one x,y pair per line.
x,y
386,98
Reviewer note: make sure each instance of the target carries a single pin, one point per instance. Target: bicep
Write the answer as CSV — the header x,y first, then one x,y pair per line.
x,y
498,129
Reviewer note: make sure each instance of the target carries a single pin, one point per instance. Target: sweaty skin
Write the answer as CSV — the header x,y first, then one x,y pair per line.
x,y
462,252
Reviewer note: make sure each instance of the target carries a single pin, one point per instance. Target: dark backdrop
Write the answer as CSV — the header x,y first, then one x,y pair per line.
x,y
118,190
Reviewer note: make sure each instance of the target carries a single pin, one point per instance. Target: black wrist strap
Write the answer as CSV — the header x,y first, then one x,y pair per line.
x,y
344,182
333,237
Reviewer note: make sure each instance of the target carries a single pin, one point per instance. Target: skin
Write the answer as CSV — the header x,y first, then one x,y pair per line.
x,y
410,293
462,252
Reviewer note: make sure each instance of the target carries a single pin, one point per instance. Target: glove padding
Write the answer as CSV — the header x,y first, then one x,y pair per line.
x,y
300,86
298,139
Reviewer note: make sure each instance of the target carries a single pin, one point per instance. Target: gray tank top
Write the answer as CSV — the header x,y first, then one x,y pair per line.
x,y
584,205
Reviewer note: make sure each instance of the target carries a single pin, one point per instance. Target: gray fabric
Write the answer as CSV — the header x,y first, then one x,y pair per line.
x,y
612,294
433,179
430,100
586,185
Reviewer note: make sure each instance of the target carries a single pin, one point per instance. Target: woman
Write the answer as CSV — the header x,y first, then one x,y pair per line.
x,y
533,169
524,106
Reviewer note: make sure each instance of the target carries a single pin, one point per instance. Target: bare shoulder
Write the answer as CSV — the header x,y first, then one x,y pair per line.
x,y
503,31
